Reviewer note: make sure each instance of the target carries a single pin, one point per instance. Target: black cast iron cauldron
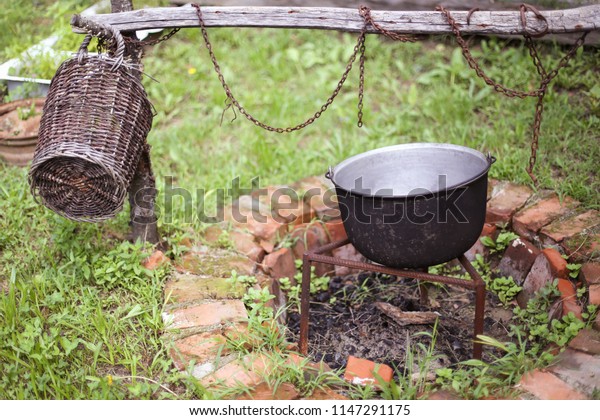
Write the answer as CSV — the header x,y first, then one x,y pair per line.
x,y
413,205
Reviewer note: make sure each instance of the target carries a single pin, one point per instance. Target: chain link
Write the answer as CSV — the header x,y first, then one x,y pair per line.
x,y
163,38
359,48
546,77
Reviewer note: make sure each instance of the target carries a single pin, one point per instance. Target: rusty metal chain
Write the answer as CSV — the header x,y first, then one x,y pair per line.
x,y
546,77
158,40
365,12
359,48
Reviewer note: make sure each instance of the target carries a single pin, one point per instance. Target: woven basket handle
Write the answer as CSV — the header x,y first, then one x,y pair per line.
x,y
116,35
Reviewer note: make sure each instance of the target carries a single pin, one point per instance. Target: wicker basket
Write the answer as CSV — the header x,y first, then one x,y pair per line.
x,y
92,133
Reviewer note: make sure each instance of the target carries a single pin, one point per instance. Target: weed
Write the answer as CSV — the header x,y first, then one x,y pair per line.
x,y
501,243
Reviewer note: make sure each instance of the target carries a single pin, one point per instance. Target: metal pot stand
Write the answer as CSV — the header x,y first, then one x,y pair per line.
x,y
316,255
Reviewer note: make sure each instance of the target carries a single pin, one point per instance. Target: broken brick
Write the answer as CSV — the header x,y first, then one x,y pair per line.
x,y
184,288
264,391
505,202
156,260
560,230
362,371
547,266
207,314
569,298
347,252
518,260
528,221
546,386
200,347
336,230
587,341
590,273
280,264
478,247
308,238
244,243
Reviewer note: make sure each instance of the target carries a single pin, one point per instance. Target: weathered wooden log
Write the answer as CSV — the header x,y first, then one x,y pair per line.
x,y
403,318
580,19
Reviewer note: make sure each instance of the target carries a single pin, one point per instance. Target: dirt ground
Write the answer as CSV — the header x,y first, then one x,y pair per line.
x,y
351,324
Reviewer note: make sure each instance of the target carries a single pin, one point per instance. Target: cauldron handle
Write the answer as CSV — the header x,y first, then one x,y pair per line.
x,y
329,173
491,159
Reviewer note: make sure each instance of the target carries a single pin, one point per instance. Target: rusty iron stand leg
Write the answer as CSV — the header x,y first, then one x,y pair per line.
x,y
479,306
305,303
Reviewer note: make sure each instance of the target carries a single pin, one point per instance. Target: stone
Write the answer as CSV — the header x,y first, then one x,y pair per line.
x,y
213,262
518,259
263,391
546,267
184,288
280,264
245,243
200,347
560,230
505,202
206,314
587,341
347,252
569,298
478,247
156,260
362,371
546,386
528,221
579,370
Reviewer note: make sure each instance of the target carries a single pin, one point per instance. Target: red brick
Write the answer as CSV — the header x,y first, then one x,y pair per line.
x,y
336,230
347,252
442,395
546,267
569,298
362,371
284,204
319,193
264,391
198,347
528,221
207,314
547,386
584,246
579,370
325,394
212,235
478,247
560,230
280,264
587,341
244,243
594,294
213,262
247,372
590,273
505,202
156,260
558,264
184,288
518,259
310,236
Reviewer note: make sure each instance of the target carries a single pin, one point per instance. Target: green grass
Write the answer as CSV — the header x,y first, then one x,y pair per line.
x,y
80,319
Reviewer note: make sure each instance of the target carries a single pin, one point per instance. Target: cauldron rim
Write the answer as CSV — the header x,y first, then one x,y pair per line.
x,y
489,160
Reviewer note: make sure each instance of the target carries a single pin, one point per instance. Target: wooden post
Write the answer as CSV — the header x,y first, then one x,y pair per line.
x,y
142,191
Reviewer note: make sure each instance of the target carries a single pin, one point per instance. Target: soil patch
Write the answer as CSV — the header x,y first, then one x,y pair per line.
x,y
344,321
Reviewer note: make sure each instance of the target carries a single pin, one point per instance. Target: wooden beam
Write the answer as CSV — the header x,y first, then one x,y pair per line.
x,y
580,19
